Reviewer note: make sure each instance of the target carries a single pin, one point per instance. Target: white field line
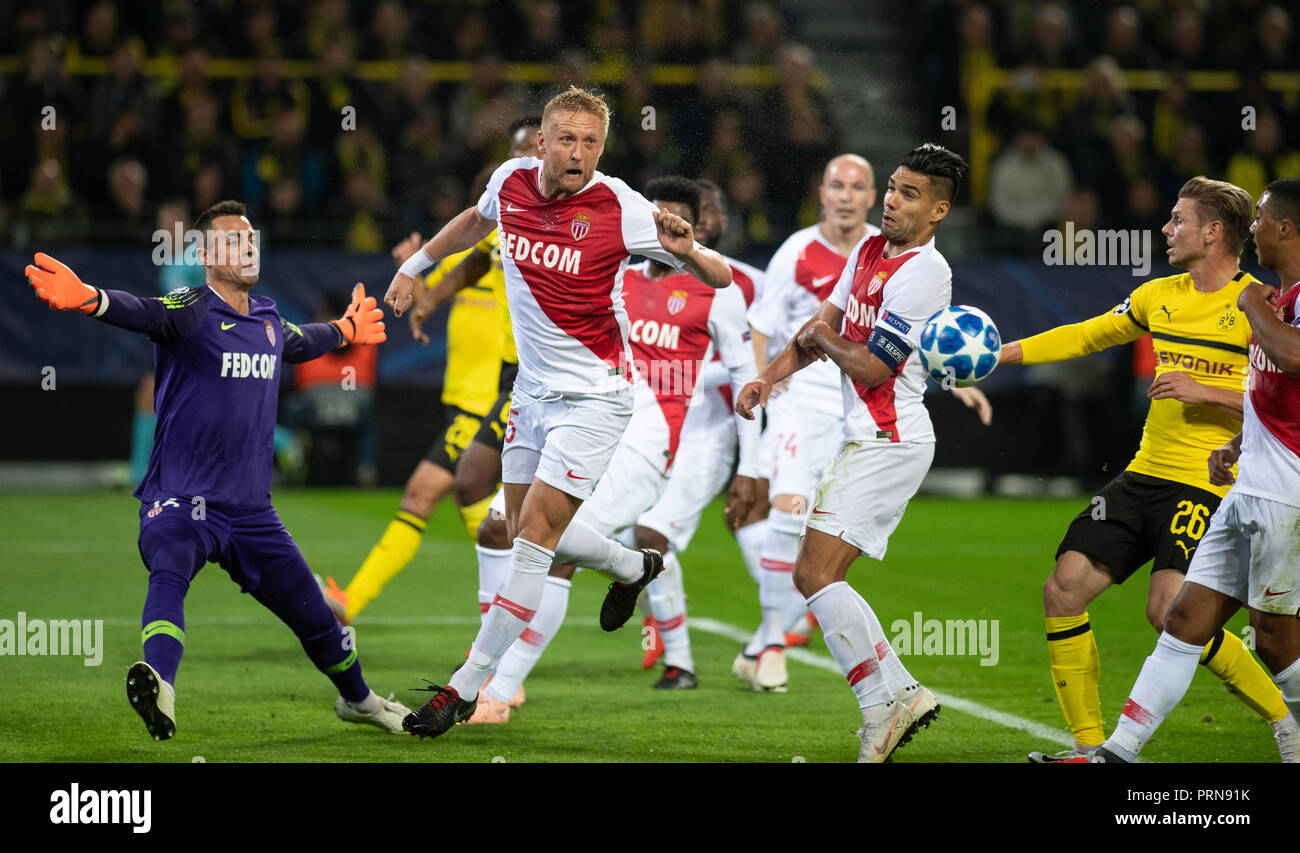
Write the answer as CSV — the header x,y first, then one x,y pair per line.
x,y
975,709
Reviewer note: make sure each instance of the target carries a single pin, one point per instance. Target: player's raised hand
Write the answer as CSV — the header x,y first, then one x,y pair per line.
x,y
399,293
740,500
363,322
1257,290
675,234
1221,462
753,395
407,247
974,399
60,287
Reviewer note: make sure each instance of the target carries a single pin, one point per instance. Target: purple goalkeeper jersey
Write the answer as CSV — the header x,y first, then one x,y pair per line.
x,y
217,383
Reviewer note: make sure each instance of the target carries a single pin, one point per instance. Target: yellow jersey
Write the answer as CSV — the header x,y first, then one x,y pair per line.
x,y
473,370
1200,334
496,279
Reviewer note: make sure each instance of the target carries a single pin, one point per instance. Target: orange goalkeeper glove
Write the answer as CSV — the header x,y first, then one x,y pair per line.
x,y
363,322
60,287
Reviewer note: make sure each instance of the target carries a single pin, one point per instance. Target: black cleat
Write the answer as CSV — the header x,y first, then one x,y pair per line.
x,y
152,699
440,713
676,678
620,601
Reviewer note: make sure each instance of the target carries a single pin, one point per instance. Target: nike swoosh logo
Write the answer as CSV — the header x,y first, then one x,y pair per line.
x,y
225,326
818,282
884,744
510,208
574,476
1272,594
822,512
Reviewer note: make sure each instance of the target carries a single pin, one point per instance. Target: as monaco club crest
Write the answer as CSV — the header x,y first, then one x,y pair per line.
x,y
676,301
877,283
580,226
270,333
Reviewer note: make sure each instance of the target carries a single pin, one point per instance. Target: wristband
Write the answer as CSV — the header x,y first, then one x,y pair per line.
x,y
416,264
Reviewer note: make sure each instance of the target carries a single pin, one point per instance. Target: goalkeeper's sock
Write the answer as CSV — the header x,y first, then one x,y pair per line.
x,y
173,555
395,550
1226,656
474,515
1076,671
1159,688
142,426
750,539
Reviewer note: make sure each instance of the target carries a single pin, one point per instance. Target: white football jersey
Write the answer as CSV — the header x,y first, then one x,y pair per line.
x,y
564,261
799,278
886,303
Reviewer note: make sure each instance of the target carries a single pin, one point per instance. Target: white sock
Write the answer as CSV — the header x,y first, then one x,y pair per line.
x,y
1159,688
896,675
368,705
526,650
844,625
584,545
750,539
793,609
668,602
493,569
512,609
1288,681
780,549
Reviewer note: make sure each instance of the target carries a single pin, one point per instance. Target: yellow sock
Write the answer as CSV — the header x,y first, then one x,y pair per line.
x,y
474,514
1226,656
1076,669
396,548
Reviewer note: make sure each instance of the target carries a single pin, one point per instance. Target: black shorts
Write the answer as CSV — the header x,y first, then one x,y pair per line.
x,y
1136,518
458,430
492,430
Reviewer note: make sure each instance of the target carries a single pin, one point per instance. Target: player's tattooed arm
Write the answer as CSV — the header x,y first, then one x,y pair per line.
x,y
1279,341
462,232
1222,460
677,236
1181,386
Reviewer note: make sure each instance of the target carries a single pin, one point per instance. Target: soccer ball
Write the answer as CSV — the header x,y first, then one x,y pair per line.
x,y
959,346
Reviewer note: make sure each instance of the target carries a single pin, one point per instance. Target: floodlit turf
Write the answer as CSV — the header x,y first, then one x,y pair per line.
x,y
246,691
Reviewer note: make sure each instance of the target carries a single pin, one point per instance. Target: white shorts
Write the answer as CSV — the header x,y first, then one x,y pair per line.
x,y
803,444
700,472
1251,553
566,441
866,491
631,485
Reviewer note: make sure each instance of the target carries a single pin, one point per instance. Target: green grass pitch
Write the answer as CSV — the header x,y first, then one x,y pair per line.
x,y
246,691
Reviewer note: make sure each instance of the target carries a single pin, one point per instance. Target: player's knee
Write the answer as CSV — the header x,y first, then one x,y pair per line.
x,y
473,484
493,533
647,537
808,579
1059,598
171,550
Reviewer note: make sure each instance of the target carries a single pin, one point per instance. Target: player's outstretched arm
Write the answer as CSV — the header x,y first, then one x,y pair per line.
x,y
1063,343
165,320
462,232
677,236
362,323
1279,341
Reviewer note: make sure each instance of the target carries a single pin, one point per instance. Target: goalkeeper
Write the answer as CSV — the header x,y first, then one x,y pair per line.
x,y
206,496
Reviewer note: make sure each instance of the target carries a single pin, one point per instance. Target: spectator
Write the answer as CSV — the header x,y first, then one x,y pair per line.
x,y
256,102
49,213
1264,158
1029,184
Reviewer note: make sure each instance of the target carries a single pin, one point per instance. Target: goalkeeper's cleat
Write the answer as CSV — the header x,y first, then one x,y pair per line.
x,y
770,674
489,712
153,699
923,704
676,678
60,287
336,598
440,713
386,715
656,649
1287,735
743,668
1075,755
801,633
620,601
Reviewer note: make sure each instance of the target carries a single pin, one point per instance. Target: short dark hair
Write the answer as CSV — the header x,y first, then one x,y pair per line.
x,y
1284,199
946,169
520,123
678,189
229,207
